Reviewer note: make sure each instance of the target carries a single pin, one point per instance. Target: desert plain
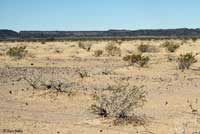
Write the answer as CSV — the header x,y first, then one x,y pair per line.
x,y
172,101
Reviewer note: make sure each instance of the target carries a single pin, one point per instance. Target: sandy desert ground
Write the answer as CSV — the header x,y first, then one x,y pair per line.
x,y
172,107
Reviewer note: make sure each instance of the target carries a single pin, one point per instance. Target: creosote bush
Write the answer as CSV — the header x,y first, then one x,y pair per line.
x,y
98,53
194,39
121,104
43,42
146,48
84,45
186,60
137,59
17,52
170,46
113,50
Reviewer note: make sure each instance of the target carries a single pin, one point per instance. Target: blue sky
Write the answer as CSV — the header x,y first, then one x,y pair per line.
x,y
98,14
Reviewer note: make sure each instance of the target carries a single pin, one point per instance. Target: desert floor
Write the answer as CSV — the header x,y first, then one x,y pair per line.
x,y
172,105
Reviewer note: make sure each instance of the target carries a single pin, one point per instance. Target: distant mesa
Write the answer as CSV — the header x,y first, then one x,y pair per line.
x,y
113,33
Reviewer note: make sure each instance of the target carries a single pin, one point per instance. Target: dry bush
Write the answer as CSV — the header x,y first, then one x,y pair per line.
x,y
170,46
84,45
194,39
83,74
119,42
146,48
120,104
58,51
98,53
36,82
17,52
43,42
113,50
186,60
137,59
56,85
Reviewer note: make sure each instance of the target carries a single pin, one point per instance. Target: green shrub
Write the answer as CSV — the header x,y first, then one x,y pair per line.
x,y
137,59
113,50
186,60
17,52
120,104
170,46
98,53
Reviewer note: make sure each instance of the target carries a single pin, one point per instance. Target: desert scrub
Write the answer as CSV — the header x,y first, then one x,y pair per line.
x,y
170,46
121,104
186,60
17,52
146,48
137,59
84,45
113,50
98,53
194,39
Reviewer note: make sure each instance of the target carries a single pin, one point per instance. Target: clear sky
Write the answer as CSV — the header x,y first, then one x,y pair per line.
x,y
98,14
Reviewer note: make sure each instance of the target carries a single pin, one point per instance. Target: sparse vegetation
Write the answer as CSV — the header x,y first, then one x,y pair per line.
x,y
98,53
113,50
121,104
170,46
137,59
84,45
17,52
186,60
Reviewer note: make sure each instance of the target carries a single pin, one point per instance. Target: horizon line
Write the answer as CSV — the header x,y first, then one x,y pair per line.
x,y
98,30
